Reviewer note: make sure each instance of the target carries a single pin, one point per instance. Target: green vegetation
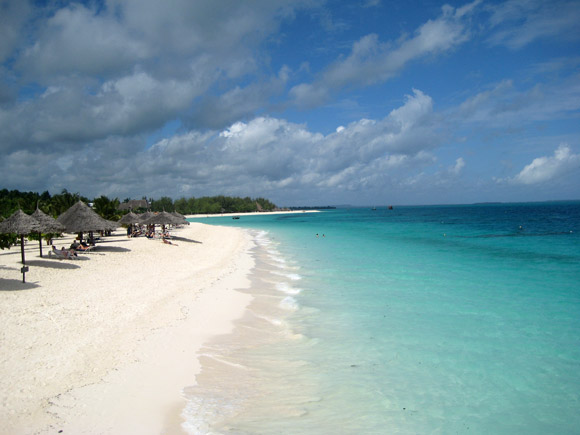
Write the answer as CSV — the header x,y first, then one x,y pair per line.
x,y
217,204
12,200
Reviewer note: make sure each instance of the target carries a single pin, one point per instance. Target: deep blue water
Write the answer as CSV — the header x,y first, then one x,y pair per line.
x,y
438,319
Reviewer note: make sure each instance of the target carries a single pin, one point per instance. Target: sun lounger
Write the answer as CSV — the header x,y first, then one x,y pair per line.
x,y
61,255
87,250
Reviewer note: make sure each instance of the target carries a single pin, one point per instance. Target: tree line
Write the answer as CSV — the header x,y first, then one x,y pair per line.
x,y
55,205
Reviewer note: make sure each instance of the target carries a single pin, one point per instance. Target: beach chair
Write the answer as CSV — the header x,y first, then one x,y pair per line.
x,y
87,249
61,255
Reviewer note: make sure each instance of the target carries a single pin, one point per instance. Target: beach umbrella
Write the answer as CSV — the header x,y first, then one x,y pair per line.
x,y
80,218
20,224
144,216
180,217
129,218
47,225
163,218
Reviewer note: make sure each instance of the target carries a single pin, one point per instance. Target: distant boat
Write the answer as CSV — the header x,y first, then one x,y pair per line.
x,y
390,207
374,208
236,217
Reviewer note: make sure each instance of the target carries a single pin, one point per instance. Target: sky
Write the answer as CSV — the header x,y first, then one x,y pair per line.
x,y
303,102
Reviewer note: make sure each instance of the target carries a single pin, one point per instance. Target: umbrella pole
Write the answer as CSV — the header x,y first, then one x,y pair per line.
x,y
23,262
40,243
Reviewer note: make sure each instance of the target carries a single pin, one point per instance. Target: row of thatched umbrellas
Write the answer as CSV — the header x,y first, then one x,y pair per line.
x,y
77,219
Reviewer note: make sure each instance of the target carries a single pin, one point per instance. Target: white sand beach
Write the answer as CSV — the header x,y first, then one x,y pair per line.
x,y
107,342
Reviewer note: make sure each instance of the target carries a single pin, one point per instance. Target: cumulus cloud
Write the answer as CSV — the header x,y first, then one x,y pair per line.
x,y
544,169
77,40
371,61
87,72
88,91
258,157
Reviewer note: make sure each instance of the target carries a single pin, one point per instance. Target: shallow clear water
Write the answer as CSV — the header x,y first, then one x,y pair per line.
x,y
447,319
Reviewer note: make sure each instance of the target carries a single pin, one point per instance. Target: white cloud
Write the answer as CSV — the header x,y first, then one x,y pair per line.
x,y
517,23
458,167
504,105
77,40
371,61
260,157
544,169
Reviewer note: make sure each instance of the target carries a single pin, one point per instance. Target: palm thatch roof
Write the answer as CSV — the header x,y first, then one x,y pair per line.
x,y
144,216
162,218
80,218
180,217
20,223
48,224
130,218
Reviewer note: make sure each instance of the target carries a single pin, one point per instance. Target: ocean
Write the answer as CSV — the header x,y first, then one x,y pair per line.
x,y
427,319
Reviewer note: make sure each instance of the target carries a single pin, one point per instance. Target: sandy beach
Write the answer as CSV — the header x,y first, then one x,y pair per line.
x,y
107,342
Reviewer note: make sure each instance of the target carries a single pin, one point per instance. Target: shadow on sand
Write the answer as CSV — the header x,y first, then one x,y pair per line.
x,y
183,239
12,285
54,263
102,249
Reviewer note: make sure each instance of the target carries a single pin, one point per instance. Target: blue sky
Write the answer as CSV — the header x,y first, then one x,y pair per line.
x,y
309,102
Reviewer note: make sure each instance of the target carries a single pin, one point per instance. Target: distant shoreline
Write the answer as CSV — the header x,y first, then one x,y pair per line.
x,y
255,213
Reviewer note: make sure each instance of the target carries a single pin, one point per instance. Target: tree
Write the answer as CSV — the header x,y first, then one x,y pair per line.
x,y
163,204
107,208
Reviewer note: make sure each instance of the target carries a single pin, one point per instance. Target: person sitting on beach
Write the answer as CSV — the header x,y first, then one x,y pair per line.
x,y
168,242
82,247
62,252
79,246
69,253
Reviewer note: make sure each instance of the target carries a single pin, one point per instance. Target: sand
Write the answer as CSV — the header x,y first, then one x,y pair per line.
x,y
106,343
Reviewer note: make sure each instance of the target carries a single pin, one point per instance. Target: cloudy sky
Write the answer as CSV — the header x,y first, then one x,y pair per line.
x,y
304,102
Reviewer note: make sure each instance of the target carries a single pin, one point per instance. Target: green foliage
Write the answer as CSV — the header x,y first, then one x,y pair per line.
x,y
55,205
163,204
107,208
212,205
7,240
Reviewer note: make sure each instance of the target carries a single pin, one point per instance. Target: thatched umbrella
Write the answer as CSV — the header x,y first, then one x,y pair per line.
x,y
144,216
80,218
20,224
48,225
163,218
180,217
129,218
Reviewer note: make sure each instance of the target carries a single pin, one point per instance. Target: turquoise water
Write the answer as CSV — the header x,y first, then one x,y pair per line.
x,y
440,319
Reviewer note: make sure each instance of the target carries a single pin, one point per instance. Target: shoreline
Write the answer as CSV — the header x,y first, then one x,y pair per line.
x,y
106,344
255,213
234,380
